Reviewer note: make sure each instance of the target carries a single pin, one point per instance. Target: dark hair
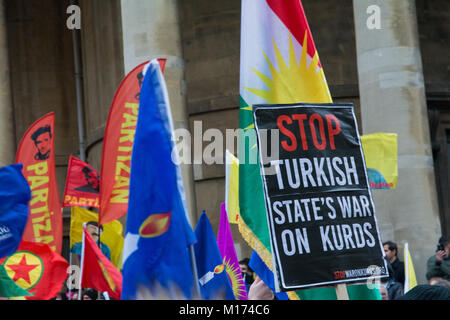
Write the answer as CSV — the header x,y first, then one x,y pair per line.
x,y
392,246
40,131
426,292
91,293
246,261
444,240
442,282
94,223
86,170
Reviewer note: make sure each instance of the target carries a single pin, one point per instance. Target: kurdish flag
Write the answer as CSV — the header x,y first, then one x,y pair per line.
x,y
279,64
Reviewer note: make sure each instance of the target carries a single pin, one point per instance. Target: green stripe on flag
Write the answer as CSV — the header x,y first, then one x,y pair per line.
x,y
8,288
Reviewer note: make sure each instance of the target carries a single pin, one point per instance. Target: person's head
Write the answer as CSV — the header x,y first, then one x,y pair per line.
x,y
444,241
92,178
94,231
439,282
426,292
390,249
90,294
42,138
243,264
62,294
384,292
73,295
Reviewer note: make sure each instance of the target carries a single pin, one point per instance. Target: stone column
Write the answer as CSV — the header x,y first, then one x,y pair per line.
x,y
151,29
7,136
393,100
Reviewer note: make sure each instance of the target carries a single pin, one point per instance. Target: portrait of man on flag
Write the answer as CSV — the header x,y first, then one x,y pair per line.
x,y
42,139
36,153
82,186
95,231
92,181
110,234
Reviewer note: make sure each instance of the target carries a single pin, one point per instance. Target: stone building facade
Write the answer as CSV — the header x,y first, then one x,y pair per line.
x,y
398,77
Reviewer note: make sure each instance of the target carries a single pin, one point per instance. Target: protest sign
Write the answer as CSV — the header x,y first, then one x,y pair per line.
x,y
319,207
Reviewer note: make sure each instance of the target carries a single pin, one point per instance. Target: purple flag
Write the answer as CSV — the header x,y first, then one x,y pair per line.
x,y
230,260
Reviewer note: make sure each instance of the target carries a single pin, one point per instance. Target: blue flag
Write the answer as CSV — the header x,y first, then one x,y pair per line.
x,y
214,282
260,268
15,194
156,260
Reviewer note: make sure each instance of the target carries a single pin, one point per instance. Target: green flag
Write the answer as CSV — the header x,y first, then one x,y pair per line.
x,y
279,64
8,288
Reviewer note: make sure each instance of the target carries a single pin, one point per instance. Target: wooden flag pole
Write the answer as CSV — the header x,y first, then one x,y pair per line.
x,y
341,292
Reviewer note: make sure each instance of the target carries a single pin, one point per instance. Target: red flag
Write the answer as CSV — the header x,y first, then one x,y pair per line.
x,y
98,272
36,153
117,146
293,16
36,268
82,185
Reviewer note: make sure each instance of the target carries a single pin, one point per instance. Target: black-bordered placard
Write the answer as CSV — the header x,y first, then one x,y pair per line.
x,y
320,211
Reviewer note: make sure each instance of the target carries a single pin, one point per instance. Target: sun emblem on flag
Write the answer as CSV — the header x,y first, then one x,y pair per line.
x,y
293,82
155,225
24,268
233,274
219,269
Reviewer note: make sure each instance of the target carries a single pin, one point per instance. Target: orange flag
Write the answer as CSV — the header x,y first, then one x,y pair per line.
x,y
118,144
36,153
98,272
37,269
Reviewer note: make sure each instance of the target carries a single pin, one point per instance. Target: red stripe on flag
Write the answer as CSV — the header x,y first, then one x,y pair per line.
x,y
98,272
293,16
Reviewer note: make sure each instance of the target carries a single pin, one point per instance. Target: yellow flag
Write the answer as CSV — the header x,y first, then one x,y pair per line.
x,y
410,274
380,153
111,235
232,187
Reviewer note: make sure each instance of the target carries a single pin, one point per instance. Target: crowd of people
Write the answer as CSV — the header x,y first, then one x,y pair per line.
x,y
391,288
437,275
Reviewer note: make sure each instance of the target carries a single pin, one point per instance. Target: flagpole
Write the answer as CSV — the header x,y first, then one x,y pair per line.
x,y
79,89
70,268
82,261
99,246
194,271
